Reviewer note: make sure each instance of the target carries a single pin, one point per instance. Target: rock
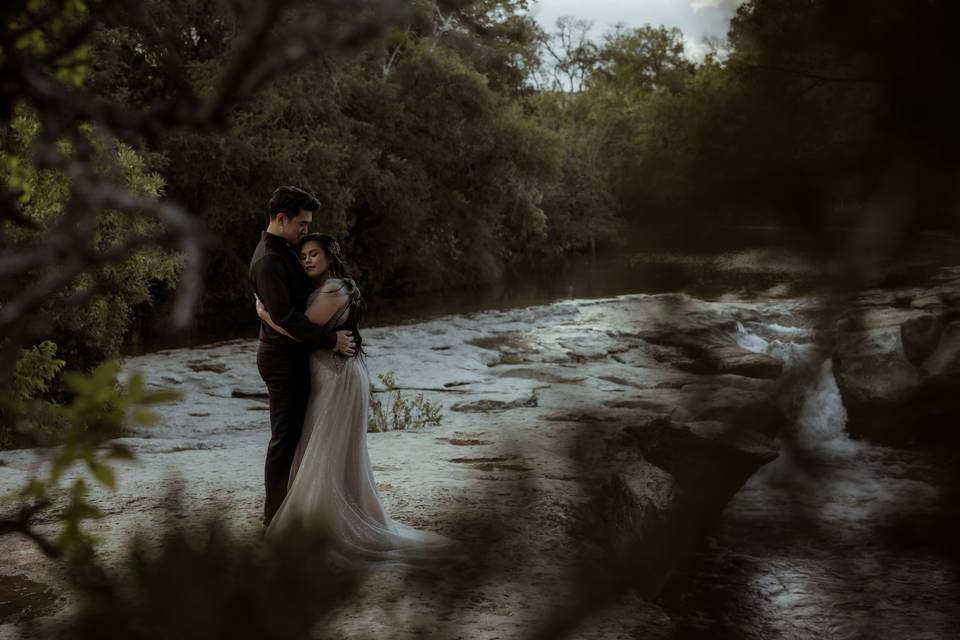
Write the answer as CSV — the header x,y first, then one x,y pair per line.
x,y
626,523
870,366
541,375
923,302
211,367
869,318
487,405
945,359
920,336
670,444
900,381
738,361
711,352
247,392
739,409
708,462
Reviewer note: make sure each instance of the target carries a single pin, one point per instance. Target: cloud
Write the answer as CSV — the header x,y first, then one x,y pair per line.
x,y
695,50
700,5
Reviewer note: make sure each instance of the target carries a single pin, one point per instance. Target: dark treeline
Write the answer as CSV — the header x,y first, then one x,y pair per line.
x,y
426,149
468,140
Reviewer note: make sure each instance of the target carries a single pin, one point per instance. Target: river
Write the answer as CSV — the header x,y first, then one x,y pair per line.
x,y
837,538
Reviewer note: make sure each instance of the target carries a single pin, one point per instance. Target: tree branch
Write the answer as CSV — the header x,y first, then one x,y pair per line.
x,y
21,524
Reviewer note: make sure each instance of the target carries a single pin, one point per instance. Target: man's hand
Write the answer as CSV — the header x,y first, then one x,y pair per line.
x,y
345,343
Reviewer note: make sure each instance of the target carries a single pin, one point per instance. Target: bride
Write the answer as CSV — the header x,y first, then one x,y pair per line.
x,y
331,482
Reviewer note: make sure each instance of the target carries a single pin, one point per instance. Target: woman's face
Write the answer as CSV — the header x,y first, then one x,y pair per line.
x,y
314,260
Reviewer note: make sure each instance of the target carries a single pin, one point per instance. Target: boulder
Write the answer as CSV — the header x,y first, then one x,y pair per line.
x,y
697,469
871,367
900,381
920,336
944,361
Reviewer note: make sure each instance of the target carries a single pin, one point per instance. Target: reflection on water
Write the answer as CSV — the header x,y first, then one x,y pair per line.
x,y
715,262
705,277
835,539
745,274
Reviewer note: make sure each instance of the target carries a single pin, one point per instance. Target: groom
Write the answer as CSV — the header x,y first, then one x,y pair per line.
x,y
280,282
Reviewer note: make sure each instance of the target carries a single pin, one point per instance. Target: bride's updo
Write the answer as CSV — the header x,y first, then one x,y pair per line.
x,y
338,268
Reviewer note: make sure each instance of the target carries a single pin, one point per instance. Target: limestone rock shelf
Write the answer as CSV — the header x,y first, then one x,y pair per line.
x,y
647,399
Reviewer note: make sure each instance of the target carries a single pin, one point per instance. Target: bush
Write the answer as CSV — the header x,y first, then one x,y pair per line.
x,y
24,416
400,414
90,317
214,584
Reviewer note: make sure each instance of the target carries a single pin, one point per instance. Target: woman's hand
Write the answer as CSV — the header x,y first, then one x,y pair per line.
x,y
345,344
265,316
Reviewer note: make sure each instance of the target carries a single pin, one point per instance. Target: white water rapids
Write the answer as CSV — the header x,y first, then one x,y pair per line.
x,y
814,544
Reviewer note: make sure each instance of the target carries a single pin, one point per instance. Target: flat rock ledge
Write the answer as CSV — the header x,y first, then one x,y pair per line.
x,y
574,431
897,362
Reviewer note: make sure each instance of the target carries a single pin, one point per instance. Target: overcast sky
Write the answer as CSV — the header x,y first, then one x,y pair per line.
x,y
696,18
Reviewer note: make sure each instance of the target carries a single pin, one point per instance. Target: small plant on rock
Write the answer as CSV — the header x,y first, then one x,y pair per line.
x,y
399,413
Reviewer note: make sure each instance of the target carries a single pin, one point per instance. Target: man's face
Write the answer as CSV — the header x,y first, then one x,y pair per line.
x,y
292,229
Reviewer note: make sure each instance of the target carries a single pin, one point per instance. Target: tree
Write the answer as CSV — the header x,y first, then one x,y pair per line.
x,y
569,56
644,59
857,100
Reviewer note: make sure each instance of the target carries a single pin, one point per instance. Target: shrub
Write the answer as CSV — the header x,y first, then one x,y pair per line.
x,y
399,413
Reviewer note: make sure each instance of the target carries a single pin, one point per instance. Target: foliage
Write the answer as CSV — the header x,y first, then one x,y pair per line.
x,y
98,413
212,583
628,120
35,369
457,190
400,414
428,168
581,209
24,416
643,59
813,119
91,316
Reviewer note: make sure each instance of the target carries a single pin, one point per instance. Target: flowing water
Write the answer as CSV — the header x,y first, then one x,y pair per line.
x,y
835,539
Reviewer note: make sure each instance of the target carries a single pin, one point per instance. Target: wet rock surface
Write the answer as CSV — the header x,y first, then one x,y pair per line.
x,y
839,537
898,361
543,407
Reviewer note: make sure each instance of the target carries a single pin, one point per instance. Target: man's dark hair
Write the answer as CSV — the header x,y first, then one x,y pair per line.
x,y
291,200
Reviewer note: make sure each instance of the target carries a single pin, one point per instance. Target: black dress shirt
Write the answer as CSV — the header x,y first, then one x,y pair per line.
x,y
279,281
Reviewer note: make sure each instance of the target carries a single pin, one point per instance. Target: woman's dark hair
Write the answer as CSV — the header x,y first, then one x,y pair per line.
x,y
291,201
339,269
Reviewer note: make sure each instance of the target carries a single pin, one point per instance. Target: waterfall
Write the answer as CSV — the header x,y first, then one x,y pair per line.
x,y
810,397
822,415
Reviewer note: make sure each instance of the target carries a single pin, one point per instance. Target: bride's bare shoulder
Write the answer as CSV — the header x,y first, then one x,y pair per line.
x,y
333,285
344,286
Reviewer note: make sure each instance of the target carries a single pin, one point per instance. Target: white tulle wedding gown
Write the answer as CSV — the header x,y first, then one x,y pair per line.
x,y
331,482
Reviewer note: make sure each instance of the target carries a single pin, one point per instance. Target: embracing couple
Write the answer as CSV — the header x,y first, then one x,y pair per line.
x,y
311,358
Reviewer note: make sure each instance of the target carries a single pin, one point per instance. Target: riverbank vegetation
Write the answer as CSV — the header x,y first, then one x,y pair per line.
x,y
465,139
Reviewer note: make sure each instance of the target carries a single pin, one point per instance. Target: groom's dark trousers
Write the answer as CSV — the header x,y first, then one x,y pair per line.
x,y
280,283
287,374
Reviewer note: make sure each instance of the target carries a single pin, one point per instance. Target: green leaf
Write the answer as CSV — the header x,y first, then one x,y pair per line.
x,y
143,416
103,473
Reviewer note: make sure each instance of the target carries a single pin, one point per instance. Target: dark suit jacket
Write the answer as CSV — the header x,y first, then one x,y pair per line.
x,y
279,281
